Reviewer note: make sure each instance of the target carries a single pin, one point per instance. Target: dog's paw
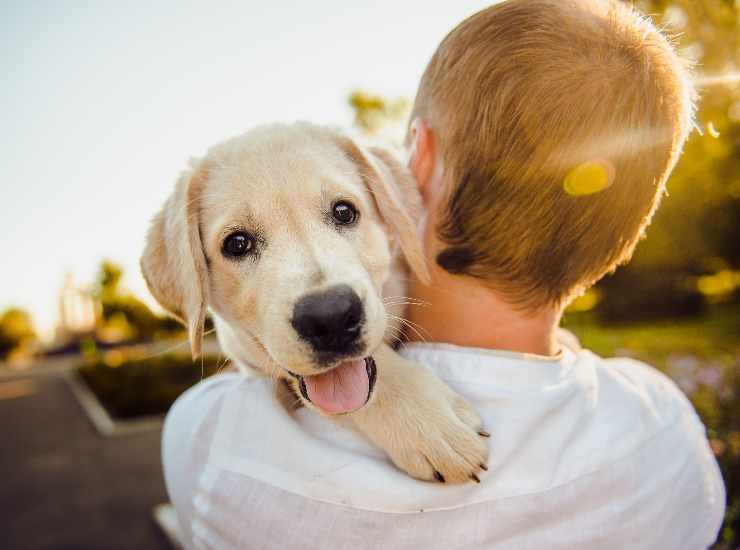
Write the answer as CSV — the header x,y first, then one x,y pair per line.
x,y
444,440
426,429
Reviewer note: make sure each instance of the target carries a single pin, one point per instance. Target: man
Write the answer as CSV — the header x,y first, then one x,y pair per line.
x,y
542,136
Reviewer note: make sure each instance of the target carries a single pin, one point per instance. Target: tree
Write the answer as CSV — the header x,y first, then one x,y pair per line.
x,y
16,331
694,232
378,116
123,314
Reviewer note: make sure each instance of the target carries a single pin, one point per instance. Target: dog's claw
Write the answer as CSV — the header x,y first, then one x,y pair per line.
x,y
484,433
475,478
442,444
483,467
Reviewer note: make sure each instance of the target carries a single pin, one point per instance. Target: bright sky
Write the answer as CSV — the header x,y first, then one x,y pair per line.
x,y
102,103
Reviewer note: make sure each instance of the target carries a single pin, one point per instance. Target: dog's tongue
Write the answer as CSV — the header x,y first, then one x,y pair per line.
x,y
343,389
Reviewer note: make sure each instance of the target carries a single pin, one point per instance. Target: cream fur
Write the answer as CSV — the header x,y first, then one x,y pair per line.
x,y
278,182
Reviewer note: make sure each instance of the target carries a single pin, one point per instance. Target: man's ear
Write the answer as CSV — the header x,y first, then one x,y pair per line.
x,y
423,155
396,196
173,263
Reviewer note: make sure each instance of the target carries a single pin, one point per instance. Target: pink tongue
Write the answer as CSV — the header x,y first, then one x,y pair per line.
x,y
340,390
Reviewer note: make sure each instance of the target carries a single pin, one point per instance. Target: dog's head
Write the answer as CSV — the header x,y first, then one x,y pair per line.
x,y
287,234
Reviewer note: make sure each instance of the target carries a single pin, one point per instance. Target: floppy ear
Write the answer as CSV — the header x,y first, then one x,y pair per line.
x,y
173,263
396,196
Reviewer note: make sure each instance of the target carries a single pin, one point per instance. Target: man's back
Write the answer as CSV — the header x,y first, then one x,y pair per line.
x,y
585,453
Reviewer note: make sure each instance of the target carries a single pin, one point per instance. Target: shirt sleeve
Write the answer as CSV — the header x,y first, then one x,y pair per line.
x,y
186,438
696,492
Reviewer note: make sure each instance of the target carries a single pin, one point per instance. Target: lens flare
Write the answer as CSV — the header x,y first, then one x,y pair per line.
x,y
589,178
712,131
727,79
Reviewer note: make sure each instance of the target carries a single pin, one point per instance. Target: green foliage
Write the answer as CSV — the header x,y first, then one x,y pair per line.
x,y
16,330
695,231
109,278
144,386
374,113
124,314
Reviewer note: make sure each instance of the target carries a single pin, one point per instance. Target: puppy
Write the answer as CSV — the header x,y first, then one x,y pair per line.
x,y
292,236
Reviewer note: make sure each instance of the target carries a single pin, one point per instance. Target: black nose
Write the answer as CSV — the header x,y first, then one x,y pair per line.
x,y
331,321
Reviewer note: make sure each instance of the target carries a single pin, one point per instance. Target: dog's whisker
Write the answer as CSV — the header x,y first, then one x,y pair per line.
x,y
412,323
411,298
219,367
169,349
412,326
393,304
396,337
418,329
402,300
452,293
397,334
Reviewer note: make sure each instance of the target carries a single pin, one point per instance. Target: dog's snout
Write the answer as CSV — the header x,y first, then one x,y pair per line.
x,y
331,321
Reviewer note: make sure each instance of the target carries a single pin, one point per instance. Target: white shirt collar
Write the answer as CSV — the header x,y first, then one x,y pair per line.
x,y
480,365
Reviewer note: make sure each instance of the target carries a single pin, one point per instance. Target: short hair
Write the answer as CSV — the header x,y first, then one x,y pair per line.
x,y
523,96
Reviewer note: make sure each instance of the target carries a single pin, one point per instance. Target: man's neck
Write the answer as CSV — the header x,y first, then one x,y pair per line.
x,y
461,311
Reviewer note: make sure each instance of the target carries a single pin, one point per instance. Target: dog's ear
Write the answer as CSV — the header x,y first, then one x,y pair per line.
x,y
173,263
396,196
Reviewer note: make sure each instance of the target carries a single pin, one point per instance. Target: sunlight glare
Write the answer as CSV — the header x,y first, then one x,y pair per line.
x,y
589,178
727,79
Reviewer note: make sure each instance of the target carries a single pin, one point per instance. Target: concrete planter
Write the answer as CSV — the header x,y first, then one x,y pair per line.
x,y
103,422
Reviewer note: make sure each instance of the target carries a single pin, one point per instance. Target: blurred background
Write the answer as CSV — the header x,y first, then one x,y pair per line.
x,y
102,105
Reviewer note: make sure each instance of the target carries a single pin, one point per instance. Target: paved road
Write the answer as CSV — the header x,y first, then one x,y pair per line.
x,y
63,486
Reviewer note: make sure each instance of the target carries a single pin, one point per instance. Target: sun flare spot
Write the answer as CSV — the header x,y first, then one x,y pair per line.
x,y
589,178
712,131
726,79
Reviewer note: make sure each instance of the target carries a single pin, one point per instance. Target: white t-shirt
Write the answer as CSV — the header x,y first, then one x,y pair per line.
x,y
585,453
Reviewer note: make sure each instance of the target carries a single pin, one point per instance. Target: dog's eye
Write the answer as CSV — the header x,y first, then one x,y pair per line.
x,y
344,213
238,245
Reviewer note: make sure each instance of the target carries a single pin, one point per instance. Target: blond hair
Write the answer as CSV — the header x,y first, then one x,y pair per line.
x,y
523,95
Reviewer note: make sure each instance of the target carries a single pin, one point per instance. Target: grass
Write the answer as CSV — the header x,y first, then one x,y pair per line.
x,y
715,335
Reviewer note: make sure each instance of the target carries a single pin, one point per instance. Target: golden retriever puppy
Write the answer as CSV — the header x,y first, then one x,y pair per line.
x,y
291,236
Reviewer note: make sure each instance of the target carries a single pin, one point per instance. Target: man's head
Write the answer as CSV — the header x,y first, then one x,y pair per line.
x,y
551,126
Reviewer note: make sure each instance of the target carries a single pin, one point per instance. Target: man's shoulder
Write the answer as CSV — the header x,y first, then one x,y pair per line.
x,y
197,409
605,425
636,382
207,393
596,411
643,417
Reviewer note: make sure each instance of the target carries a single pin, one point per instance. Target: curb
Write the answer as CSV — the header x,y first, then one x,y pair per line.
x,y
166,519
99,417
